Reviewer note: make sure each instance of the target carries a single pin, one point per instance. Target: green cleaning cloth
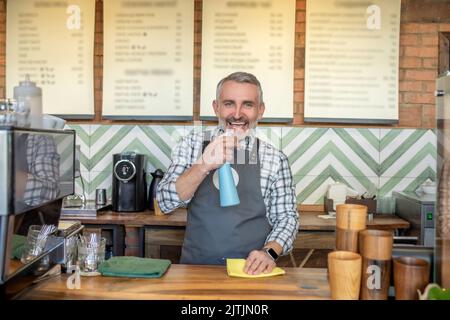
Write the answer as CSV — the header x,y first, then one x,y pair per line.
x,y
134,267
18,243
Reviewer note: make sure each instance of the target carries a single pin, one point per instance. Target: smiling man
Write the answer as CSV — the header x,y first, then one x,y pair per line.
x,y
264,224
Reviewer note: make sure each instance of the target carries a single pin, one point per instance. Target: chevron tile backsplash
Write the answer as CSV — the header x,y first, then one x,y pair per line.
x,y
385,159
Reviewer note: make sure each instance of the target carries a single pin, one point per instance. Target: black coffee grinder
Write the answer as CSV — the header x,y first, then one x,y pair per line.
x,y
129,187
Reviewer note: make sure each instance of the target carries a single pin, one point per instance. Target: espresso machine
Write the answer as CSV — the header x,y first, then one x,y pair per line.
x,y
36,173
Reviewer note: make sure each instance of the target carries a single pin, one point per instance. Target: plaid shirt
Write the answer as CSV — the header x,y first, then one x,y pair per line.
x,y
43,169
276,185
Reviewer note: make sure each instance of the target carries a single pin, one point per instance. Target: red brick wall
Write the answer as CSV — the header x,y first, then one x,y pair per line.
x,y
418,70
421,22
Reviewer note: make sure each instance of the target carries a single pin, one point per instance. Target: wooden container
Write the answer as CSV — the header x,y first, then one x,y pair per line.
x,y
351,216
350,219
344,275
375,247
410,274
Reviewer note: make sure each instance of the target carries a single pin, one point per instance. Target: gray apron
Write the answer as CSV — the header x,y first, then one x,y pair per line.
x,y
215,233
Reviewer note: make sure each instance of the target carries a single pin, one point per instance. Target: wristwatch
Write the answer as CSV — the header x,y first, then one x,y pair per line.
x,y
272,253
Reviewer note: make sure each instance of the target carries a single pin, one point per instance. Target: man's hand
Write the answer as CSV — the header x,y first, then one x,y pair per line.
x,y
258,261
218,152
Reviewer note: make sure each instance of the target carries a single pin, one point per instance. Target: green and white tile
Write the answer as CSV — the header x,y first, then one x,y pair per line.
x,y
356,151
83,140
160,142
350,152
406,152
99,180
321,156
306,149
108,140
312,189
408,158
154,141
389,184
271,135
392,159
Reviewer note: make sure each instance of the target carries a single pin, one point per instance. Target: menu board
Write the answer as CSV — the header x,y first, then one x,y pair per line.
x,y
148,59
52,41
252,36
351,61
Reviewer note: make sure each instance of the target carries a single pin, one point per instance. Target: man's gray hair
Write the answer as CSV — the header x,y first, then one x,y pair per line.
x,y
240,77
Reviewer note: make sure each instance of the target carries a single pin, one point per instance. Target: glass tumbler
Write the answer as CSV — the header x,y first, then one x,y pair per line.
x,y
34,245
91,253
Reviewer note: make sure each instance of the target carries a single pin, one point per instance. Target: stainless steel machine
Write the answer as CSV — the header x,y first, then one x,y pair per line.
x,y
36,173
419,210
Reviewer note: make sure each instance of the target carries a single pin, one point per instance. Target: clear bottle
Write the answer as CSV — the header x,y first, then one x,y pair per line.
x,y
29,102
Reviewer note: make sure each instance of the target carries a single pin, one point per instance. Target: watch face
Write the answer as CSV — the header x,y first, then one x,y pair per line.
x,y
124,170
272,253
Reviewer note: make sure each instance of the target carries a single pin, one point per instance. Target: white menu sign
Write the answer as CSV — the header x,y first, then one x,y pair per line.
x,y
351,61
148,59
52,41
254,36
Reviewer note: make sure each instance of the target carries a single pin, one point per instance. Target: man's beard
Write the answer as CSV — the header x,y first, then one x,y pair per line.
x,y
239,125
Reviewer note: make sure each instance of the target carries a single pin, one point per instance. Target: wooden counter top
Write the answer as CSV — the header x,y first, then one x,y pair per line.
x,y
190,282
175,219
308,220
311,221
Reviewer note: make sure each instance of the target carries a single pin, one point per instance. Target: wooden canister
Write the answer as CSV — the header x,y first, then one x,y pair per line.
x,y
350,220
375,247
344,275
410,274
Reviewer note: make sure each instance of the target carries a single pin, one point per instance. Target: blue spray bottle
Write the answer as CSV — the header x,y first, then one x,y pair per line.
x,y
228,192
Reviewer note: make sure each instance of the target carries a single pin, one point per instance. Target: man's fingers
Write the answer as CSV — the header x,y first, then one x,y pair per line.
x,y
255,265
269,268
249,261
261,267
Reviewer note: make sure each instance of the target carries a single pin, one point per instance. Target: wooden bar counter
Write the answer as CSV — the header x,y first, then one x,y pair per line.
x,y
308,220
155,231
190,282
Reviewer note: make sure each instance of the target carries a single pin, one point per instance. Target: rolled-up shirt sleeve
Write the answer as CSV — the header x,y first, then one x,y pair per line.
x,y
283,213
166,193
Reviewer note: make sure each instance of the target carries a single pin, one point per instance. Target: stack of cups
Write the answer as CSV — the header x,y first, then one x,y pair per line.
x,y
350,220
375,247
361,265
344,264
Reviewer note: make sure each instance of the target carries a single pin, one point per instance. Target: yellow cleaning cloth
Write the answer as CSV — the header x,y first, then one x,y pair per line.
x,y
235,268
